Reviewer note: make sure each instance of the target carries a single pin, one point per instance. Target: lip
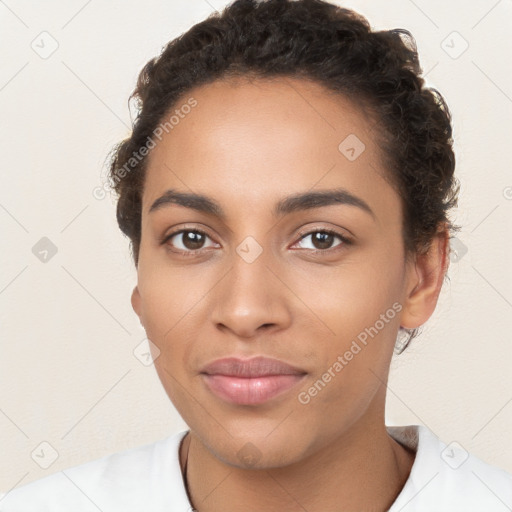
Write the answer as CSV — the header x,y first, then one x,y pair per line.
x,y
259,366
250,381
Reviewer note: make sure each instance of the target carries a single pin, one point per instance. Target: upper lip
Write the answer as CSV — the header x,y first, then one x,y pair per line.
x,y
255,367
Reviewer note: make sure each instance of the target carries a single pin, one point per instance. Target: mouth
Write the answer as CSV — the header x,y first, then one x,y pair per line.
x,y
250,381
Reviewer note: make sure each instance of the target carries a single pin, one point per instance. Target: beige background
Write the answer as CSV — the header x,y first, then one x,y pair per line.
x,y
68,373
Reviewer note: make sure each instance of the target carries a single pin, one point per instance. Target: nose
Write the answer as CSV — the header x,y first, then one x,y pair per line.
x,y
251,298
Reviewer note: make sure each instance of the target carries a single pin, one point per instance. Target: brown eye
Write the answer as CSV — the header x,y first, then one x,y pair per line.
x,y
192,240
187,240
322,240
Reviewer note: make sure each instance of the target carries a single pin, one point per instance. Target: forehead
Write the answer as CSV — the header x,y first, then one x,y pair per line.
x,y
249,143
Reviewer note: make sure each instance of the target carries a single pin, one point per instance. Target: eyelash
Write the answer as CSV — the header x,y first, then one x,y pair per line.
x,y
345,241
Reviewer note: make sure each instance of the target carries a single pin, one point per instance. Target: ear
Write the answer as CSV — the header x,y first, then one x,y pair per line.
x,y
136,302
426,276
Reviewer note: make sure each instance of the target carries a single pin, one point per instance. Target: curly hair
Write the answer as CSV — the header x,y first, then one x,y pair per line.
x,y
311,40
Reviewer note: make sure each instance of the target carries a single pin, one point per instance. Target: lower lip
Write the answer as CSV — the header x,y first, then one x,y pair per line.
x,y
250,391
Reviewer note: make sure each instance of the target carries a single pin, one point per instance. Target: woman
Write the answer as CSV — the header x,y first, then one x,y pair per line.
x,y
286,191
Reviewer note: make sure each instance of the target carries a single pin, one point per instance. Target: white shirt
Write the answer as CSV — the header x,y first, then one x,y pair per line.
x,y
149,479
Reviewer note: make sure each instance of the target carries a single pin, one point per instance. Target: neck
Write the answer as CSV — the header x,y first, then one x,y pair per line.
x,y
363,469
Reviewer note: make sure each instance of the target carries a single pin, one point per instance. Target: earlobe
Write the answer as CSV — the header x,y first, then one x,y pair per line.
x,y
428,276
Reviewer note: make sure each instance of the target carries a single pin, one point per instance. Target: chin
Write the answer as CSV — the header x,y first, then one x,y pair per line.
x,y
260,446
257,453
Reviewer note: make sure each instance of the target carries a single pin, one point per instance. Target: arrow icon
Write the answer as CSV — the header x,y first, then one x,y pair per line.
x,y
40,455
145,356
45,45
249,253
44,455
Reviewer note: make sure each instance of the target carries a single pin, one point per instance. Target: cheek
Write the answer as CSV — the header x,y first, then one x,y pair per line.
x,y
168,314
167,295
355,310
173,304
353,344
346,299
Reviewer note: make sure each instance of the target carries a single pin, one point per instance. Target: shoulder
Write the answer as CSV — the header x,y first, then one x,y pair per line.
x,y
446,477
124,481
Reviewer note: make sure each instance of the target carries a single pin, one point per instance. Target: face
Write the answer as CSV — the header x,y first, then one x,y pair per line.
x,y
319,284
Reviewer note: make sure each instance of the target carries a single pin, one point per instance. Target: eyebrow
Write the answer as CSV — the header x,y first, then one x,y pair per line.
x,y
287,205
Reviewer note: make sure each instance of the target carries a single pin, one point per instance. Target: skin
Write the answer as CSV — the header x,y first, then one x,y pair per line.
x,y
247,145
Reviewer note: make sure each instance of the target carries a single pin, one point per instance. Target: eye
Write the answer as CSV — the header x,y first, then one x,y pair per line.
x,y
187,240
322,239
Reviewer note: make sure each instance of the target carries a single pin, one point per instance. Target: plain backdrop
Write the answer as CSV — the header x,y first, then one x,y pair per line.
x,y
72,388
